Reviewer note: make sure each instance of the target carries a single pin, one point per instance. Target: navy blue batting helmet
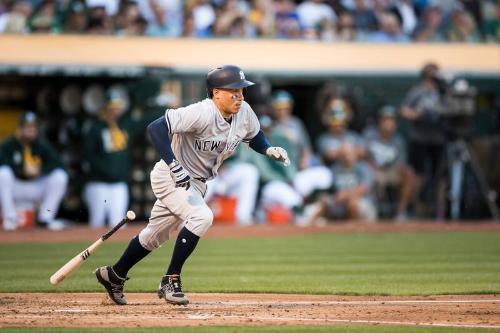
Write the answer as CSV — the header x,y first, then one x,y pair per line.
x,y
227,76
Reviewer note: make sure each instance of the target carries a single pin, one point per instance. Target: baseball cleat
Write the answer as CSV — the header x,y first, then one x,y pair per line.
x,y
113,284
171,290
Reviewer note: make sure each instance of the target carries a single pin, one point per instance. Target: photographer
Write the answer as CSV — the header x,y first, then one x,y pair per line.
x,y
422,107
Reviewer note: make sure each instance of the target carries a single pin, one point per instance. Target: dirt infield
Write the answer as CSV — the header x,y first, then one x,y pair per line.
x,y
82,233
146,310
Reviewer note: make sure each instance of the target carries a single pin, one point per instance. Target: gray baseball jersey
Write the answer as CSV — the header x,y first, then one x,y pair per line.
x,y
202,139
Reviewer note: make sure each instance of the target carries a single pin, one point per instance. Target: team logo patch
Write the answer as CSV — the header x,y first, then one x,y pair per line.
x,y
242,75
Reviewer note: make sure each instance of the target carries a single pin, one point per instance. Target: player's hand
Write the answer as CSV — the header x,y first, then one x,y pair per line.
x,y
179,175
278,154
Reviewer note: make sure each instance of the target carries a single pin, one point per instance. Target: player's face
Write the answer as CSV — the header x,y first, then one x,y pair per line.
x,y
228,100
28,132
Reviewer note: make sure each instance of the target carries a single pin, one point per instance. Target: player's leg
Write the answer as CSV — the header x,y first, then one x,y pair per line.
x,y
54,186
96,195
7,205
157,231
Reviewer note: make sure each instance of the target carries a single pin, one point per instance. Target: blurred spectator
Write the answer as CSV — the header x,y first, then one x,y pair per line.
x,y
287,24
261,16
312,12
329,143
204,18
345,29
352,196
44,18
110,7
390,31
408,17
491,20
99,23
462,27
75,19
165,17
388,157
15,20
240,180
107,153
291,127
31,172
231,21
364,18
430,27
422,107
125,20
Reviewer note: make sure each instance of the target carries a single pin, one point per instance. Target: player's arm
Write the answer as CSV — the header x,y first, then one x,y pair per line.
x,y
260,144
158,132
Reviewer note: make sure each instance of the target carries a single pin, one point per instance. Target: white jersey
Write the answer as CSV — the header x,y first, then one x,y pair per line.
x,y
202,139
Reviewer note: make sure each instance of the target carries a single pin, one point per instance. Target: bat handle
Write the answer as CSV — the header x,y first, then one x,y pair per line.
x,y
113,230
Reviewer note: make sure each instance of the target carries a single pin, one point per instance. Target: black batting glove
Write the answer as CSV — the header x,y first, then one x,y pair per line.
x,y
179,175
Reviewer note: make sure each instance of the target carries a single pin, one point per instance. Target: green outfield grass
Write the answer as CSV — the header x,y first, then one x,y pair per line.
x,y
349,264
259,329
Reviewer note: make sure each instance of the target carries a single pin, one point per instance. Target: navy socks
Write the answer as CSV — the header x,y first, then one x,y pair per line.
x,y
184,246
132,255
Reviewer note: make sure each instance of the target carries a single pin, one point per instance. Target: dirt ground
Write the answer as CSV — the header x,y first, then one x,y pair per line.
x,y
146,310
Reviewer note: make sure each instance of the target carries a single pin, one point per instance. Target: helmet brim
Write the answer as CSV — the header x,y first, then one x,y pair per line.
x,y
239,84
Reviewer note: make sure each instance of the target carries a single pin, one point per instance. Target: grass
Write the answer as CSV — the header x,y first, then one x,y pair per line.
x,y
351,264
257,329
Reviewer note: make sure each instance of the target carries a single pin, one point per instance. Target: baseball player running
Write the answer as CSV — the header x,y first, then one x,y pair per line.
x,y
192,142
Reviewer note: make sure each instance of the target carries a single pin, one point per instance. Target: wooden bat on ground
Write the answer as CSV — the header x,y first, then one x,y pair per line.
x,y
74,263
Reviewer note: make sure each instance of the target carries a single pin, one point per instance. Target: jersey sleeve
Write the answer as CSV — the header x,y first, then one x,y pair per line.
x,y
189,119
252,124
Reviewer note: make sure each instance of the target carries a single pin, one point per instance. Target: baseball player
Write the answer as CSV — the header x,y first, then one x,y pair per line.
x,y
192,142
31,171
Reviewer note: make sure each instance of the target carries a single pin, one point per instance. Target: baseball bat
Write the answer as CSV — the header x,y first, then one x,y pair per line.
x,y
74,263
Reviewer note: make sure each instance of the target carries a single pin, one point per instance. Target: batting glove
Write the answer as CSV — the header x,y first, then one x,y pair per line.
x,y
278,154
179,175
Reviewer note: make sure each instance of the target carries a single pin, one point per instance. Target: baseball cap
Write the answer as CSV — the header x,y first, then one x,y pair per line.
x,y
387,111
27,117
282,97
115,99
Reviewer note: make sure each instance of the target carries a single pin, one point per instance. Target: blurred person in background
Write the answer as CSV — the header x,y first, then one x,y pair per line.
x,y
491,20
107,152
98,23
364,18
15,19
31,172
390,31
44,18
329,143
312,12
429,29
203,14
286,20
110,7
387,156
345,29
462,27
75,19
165,17
261,16
231,21
352,188
406,12
422,107
290,126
